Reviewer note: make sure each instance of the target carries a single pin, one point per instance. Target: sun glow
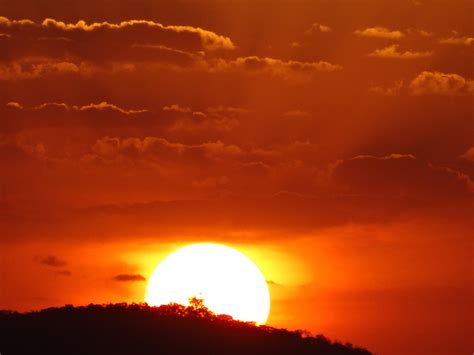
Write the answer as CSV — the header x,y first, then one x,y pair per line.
x,y
227,281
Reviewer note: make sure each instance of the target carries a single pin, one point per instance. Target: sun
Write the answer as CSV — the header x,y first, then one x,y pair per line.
x,y
225,279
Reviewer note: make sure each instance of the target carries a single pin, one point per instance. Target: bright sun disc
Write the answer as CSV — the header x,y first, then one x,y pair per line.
x,y
227,281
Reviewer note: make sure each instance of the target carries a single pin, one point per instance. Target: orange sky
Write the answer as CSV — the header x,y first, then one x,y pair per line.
x,y
330,141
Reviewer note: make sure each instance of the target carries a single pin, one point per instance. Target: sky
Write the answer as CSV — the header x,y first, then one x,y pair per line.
x,y
330,141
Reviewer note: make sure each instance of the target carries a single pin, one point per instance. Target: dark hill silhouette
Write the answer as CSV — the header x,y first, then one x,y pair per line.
x,y
137,329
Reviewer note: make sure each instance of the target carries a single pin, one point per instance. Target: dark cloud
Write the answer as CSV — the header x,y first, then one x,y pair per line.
x,y
32,68
129,278
31,50
52,261
400,175
469,154
156,52
236,218
27,38
16,150
104,117
291,69
156,150
184,119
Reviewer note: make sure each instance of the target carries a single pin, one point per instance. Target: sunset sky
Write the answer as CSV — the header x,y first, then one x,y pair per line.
x,y
332,142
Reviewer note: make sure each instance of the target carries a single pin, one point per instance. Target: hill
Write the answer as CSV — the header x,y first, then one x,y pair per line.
x,y
137,329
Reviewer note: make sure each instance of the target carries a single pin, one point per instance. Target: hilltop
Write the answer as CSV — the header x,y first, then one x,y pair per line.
x,y
141,329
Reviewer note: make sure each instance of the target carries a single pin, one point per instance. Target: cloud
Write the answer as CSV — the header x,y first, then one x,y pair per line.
x,y
230,111
430,83
468,155
392,52
461,176
129,278
30,50
177,109
17,148
212,118
102,106
157,150
105,106
35,68
247,218
280,66
87,49
438,83
401,175
209,111
379,32
159,53
291,69
316,28
102,117
183,219
458,41
422,33
181,36
52,261
15,105
50,105
5,22
387,90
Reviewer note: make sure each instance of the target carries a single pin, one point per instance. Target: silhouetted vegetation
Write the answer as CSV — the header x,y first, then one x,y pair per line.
x,y
140,329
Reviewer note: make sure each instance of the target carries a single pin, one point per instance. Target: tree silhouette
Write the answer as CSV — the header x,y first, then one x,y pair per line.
x,y
122,328
198,306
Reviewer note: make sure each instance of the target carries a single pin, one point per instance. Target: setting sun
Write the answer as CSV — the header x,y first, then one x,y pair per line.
x,y
226,280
